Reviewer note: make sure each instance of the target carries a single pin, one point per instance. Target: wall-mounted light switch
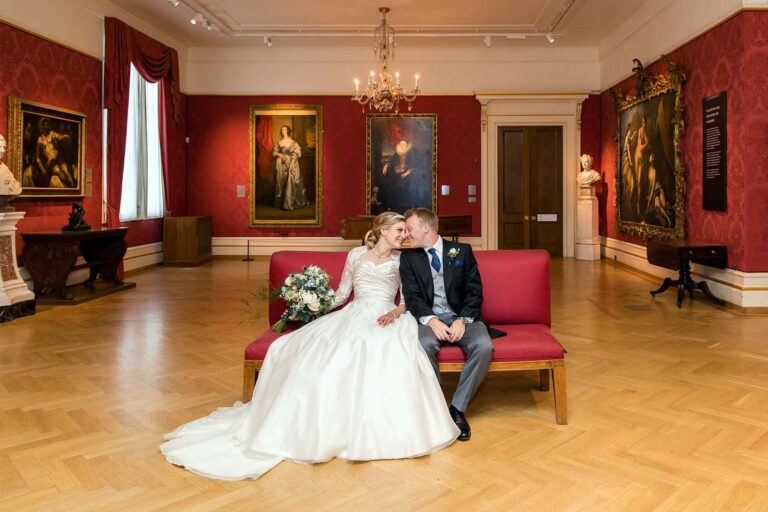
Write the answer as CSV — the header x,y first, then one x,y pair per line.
x,y
445,190
472,190
241,191
472,199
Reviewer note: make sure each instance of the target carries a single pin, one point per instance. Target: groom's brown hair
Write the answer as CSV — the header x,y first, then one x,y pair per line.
x,y
425,215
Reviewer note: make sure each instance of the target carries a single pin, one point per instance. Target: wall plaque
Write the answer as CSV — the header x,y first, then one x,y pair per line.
x,y
714,194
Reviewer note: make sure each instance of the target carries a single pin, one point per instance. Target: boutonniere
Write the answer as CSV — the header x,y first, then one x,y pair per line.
x,y
452,253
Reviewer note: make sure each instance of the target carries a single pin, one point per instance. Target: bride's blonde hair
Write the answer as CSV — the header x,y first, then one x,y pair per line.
x,y
382,221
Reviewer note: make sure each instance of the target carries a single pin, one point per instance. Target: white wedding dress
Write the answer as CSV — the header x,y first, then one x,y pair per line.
x,y
341,386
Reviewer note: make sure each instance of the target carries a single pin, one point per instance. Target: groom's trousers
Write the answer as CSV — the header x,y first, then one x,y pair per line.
x,y
478,349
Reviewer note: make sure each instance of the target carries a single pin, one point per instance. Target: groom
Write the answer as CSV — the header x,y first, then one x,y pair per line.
x,y
442,289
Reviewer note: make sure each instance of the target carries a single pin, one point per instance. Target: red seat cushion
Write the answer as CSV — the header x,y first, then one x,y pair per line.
x,y
527,342
258,347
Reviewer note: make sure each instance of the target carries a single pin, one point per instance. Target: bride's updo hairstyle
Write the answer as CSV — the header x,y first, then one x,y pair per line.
x,y
382,221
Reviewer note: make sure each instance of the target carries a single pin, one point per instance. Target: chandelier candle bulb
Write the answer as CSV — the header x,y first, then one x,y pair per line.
x,y
357,86
417,82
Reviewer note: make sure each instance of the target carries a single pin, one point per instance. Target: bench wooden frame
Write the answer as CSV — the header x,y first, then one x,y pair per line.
x,y
555,367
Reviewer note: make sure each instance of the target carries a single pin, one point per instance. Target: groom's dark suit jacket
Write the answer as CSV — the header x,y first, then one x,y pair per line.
x,y
463,287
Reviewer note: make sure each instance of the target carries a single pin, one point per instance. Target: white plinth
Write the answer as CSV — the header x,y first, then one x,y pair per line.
x,y
587,240
13,289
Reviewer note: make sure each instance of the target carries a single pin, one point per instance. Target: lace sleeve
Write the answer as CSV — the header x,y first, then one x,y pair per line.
x,y
346,284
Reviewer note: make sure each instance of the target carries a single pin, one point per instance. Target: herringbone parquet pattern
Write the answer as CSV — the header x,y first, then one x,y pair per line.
x,y
667,408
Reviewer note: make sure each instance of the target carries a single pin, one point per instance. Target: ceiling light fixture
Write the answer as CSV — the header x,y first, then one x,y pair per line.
x,y
199,18
487,41
175,3
550,37
384,93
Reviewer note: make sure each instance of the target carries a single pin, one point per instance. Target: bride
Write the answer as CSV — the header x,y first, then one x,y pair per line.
x,y
354,384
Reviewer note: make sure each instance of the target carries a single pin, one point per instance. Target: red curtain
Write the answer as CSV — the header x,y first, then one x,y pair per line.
x,y
155,62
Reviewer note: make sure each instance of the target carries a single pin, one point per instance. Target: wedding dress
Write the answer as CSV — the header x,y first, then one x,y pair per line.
x,y
341,386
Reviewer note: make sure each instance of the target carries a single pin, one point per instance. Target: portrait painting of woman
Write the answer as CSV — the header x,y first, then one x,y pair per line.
x,y
286,165
402,153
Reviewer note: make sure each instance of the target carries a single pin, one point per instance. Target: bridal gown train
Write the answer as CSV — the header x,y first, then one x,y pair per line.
x,y
341,386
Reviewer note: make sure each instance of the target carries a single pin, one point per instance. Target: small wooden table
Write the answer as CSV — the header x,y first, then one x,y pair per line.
x,y
50,256
678,255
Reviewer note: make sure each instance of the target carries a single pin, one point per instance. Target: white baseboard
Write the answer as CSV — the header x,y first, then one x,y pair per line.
x,y
265,246
142,256
744,289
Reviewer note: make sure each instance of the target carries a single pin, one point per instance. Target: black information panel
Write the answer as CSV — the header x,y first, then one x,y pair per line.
x,y
715,196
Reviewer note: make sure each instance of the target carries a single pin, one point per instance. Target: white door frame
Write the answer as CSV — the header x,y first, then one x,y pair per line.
x,y
528,110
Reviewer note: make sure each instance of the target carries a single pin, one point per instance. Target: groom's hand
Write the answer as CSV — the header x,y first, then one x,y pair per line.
x,y
442,331
457,331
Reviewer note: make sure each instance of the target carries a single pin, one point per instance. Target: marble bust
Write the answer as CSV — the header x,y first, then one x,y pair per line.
x,y
9,187
588,176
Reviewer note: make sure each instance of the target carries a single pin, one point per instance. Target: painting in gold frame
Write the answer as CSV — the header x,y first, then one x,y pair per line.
x,y
650,175
47,149
401,156
286,166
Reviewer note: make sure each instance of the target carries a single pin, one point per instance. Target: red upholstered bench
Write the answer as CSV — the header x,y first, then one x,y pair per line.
x,y
516,300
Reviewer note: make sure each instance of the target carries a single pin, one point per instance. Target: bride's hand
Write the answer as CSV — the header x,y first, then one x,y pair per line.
x,y
386,319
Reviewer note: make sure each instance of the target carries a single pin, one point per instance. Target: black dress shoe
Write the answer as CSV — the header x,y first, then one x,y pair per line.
x,y
461,421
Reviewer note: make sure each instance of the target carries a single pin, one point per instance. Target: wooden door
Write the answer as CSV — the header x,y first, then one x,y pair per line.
x,y
531,188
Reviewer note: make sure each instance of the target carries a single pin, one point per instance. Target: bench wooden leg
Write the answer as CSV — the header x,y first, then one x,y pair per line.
x,y
561,403
249,379
544,380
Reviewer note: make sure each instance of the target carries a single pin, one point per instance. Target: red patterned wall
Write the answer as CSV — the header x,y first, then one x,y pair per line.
x,y
38,70
732,57
219,150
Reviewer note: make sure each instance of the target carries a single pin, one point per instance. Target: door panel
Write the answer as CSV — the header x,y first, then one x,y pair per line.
x,y
530,183
512,185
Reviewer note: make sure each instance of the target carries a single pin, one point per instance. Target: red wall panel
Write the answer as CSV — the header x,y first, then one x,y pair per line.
x,y
731,57
218,158
38,70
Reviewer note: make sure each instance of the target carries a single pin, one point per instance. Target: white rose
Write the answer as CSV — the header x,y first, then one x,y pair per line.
x,y
308,297
314,306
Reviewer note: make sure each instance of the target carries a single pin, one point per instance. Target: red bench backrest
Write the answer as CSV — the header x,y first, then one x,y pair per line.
x,y
515,286
515,283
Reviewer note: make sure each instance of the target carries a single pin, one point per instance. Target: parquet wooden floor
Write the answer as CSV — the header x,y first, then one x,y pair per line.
x,y
667,408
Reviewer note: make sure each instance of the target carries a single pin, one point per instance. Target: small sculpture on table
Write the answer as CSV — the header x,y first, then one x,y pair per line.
x,y
588,176
9,187
76,219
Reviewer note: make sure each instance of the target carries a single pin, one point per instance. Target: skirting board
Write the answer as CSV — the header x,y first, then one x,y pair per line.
x,y
265,246
135,258
744,289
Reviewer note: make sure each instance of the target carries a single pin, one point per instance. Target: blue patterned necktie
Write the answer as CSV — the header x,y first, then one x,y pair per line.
x,y
435,259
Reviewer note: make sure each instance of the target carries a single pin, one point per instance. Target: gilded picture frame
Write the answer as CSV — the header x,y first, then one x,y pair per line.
x,y
401,162
286,166
650,174
46,149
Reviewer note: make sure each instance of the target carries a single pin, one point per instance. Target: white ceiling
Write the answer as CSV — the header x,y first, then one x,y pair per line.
x,y
462,23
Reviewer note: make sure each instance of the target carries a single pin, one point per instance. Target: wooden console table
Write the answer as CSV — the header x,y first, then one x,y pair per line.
x,y
50,256
355,228
678,255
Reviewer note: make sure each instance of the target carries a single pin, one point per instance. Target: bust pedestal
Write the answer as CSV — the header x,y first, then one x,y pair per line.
x,y
15,298
587,241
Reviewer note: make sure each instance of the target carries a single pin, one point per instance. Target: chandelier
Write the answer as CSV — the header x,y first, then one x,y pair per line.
x,y
384,93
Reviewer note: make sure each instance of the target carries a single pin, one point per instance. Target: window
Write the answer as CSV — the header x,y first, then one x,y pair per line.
x,y
142,194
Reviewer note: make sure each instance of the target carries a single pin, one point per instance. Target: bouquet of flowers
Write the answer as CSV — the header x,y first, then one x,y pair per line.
x,y
307,295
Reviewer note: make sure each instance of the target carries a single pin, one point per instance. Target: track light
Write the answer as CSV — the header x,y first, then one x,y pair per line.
x,y
487,41
268,41
208,25
199,18
550,37
174,3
